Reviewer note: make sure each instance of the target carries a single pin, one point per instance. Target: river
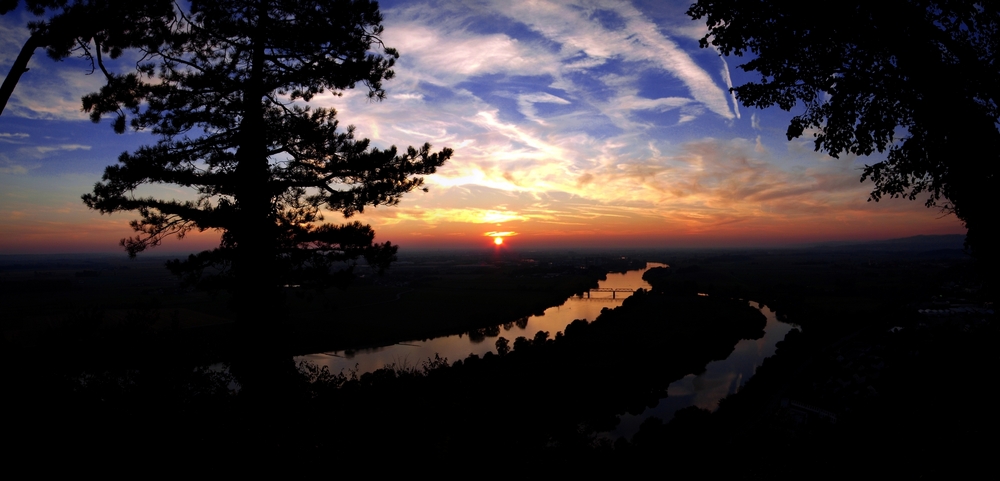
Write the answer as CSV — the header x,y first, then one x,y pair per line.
x,y
720,378
704,390
460,346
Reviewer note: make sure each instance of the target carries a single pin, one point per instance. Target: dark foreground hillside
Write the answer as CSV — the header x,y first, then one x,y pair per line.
x,y
890,374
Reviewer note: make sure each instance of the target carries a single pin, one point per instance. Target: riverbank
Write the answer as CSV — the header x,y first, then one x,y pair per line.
x,y
886,378
541,400
431,303
100,311
609,294
909,401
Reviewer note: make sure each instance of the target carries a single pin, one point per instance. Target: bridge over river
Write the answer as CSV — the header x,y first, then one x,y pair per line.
x,y
612,290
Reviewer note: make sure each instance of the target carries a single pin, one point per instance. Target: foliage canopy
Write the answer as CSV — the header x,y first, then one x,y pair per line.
x,y
94,29
226,89
913,78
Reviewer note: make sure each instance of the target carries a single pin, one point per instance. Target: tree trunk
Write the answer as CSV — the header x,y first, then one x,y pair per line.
x,y
263,363
20,66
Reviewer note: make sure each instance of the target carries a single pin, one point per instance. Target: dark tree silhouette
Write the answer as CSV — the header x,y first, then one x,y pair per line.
x,y
94,29
915,78
227,93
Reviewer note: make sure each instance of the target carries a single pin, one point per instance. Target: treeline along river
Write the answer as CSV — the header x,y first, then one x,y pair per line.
x,y
128,391
481,341
583,371
703,388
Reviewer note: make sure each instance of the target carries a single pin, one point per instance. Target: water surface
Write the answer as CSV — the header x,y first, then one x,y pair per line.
x,y
720,379
704,390
554,319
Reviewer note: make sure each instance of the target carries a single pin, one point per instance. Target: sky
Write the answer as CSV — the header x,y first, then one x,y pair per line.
x,y
574,124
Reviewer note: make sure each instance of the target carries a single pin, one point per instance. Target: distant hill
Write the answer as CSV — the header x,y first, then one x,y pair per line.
x,y
918,243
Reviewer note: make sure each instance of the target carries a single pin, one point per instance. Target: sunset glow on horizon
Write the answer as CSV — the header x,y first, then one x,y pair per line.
x,y
574,124
498,236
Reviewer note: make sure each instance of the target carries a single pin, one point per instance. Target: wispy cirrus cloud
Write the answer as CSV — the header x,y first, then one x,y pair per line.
x,y
13,137
450,56
439,215
45,149
581,118
8,166
584,117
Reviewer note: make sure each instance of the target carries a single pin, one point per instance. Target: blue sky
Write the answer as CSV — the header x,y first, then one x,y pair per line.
x,y
591,123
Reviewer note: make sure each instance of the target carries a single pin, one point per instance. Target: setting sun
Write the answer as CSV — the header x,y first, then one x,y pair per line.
x,y
499,235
